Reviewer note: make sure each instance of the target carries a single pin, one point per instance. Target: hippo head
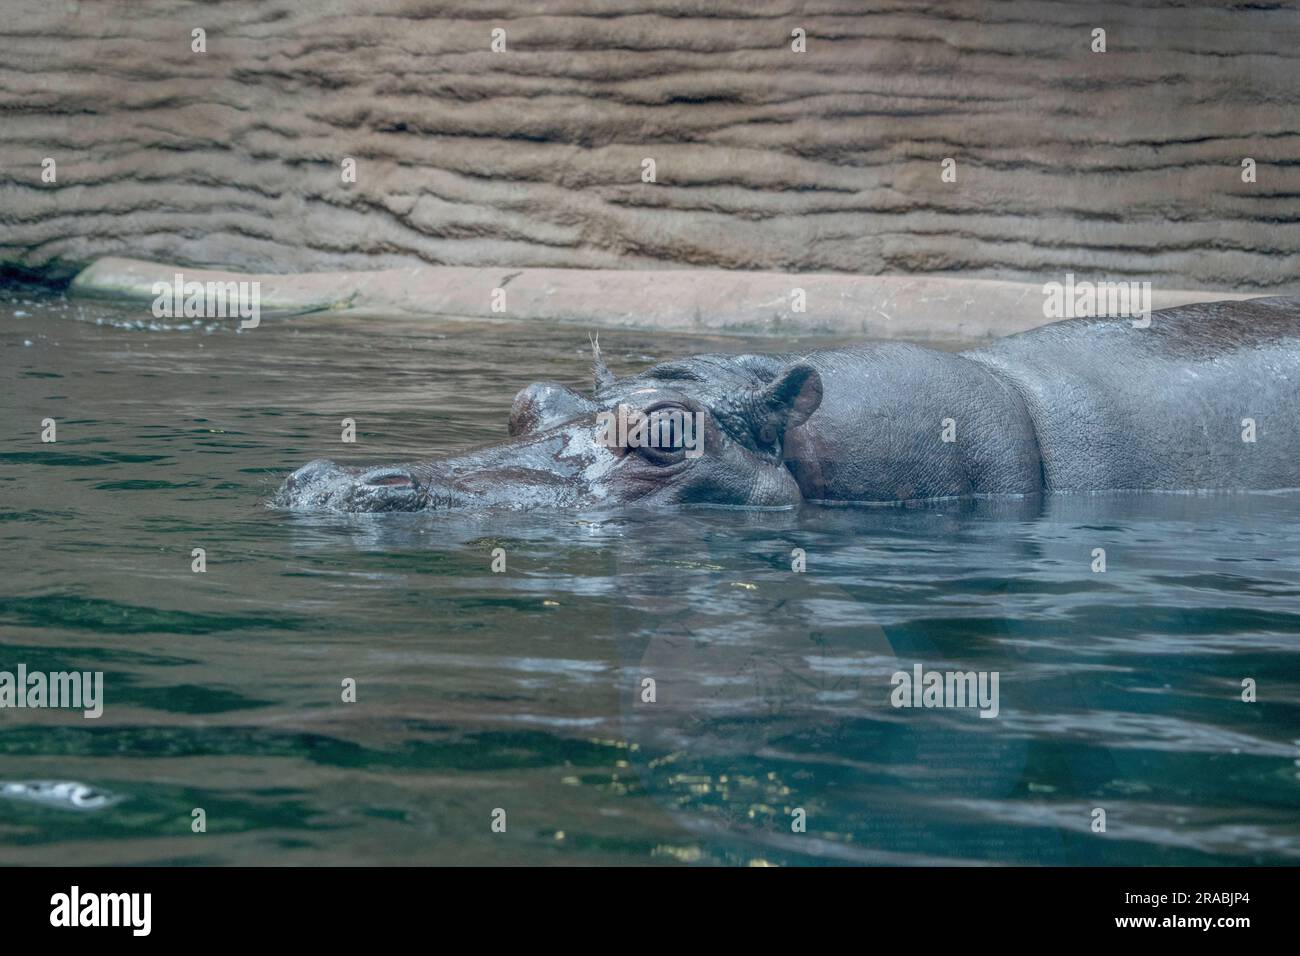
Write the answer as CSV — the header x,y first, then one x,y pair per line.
x,y
705,430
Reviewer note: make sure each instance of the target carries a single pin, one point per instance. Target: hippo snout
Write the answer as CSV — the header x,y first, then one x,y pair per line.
x,y
310,473
322,484
316,484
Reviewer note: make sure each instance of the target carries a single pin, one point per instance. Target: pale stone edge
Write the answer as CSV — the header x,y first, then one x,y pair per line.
x,y
917,308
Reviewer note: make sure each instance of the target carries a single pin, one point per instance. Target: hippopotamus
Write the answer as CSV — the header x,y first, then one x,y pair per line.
x,y
1203,397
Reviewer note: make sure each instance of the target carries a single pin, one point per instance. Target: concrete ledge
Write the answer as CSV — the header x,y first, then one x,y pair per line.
x,y
919,308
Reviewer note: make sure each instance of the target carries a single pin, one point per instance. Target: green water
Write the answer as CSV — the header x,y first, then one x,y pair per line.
x,y
522,691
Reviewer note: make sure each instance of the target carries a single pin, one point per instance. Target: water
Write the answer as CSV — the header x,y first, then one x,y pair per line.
x,y
521,691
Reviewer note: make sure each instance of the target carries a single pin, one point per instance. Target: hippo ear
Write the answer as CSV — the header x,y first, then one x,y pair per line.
x,y
604,377
786,402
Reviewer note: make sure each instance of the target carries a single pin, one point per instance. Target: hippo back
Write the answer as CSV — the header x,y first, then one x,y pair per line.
x,y
1169,406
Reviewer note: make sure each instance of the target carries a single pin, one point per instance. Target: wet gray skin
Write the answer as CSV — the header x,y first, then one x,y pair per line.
x,y
1079,405
556,457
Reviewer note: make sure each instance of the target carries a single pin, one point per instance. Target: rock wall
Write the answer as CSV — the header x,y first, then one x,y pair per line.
x,y
1123,163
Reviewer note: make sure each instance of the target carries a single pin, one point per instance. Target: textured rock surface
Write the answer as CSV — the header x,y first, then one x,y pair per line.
x,y
1118,164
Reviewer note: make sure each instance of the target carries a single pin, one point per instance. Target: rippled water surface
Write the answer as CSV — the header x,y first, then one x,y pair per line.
x,y
522,691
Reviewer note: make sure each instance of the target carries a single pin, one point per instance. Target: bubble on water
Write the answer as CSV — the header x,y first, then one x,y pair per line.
x,y
62,794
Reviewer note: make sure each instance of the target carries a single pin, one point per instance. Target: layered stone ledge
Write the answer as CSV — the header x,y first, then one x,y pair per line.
x,y
920,308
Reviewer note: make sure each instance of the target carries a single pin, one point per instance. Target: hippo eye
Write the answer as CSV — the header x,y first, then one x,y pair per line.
x,y
666,434
667,437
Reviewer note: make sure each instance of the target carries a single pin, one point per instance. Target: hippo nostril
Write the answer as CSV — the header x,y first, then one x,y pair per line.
x,y
389,478
310,471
